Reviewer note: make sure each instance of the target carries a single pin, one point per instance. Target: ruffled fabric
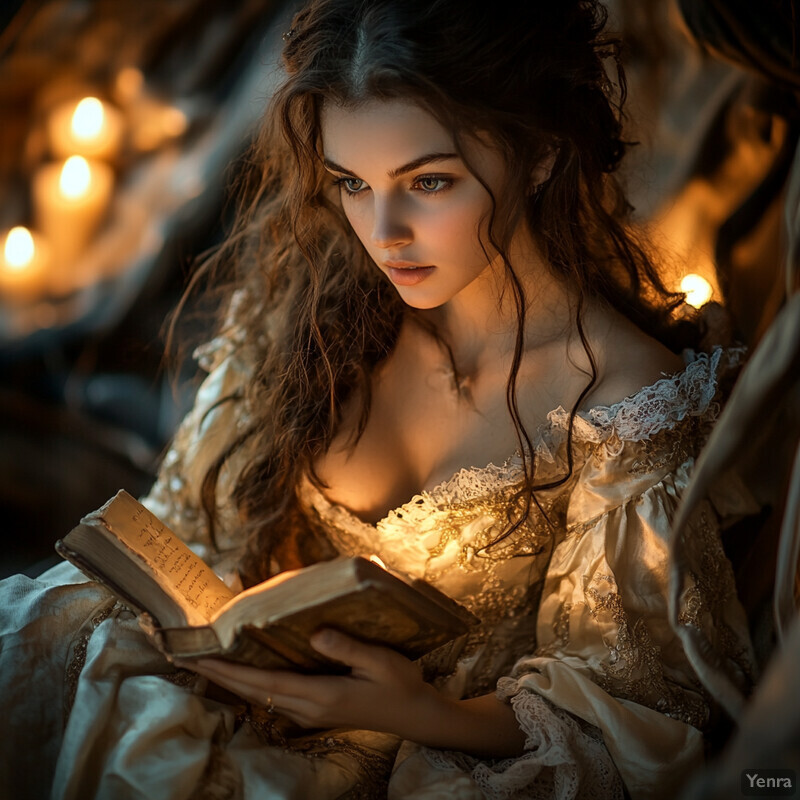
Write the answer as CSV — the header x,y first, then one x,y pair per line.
x,y
692,392
657,407
565,760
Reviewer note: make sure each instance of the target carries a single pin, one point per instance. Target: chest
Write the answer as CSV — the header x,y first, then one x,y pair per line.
x,y
421,430
412,441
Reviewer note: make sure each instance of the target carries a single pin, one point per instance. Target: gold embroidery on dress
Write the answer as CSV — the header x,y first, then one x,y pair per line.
x,y
634,670
220,779
668,447
375,763
182,677
560,632
375,766
711,591
78,659
271,729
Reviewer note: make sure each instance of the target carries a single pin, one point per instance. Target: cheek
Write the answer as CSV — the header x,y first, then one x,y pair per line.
x,y
463,228
456,225
360,220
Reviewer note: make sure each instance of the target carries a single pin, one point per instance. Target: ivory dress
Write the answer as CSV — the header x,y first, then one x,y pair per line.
x,y
574,630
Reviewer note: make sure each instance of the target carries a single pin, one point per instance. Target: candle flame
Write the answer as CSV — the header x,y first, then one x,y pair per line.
x,y
376,560
698,289
88,118
76,176
19,249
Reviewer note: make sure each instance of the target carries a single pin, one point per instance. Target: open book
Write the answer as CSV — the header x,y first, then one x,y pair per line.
x,y
149,568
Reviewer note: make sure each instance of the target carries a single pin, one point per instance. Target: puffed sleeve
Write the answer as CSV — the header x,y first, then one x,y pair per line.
x,y
606,653
217,416
607,697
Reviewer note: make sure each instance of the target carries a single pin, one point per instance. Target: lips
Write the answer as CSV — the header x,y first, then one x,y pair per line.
x,y
398,264
407,273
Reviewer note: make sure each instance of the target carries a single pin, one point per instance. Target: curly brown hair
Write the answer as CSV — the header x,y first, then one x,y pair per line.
x,y
318,316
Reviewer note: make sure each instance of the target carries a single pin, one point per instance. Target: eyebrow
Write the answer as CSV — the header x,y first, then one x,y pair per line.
x,y
416,163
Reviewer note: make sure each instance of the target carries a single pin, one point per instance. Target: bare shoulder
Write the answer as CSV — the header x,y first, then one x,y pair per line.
x,y
629,360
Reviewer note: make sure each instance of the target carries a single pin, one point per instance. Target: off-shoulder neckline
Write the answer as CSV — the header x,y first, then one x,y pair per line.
x,y
668,401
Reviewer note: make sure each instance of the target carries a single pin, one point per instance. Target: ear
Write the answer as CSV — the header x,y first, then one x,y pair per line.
x,y
542,170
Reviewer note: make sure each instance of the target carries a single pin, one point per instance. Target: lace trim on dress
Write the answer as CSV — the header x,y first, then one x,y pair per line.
x,y
465,487
639,417
565,758
689,393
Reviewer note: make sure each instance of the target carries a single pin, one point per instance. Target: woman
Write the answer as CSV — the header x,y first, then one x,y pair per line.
x,y
431,265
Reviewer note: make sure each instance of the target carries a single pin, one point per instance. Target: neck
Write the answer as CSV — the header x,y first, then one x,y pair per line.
x,y
480,323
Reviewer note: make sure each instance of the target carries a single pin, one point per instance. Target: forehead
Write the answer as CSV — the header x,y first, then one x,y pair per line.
x,y
391,132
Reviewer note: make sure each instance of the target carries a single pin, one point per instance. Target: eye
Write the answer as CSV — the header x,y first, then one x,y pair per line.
x,y
431,184
351,185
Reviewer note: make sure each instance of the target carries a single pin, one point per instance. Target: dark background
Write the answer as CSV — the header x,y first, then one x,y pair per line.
x,y
88,402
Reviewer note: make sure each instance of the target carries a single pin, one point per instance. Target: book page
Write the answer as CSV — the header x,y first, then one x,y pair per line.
x,y
186,574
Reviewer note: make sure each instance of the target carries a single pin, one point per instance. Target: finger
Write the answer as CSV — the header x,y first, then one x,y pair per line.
x,y
231,669
231,677
245,691
272,683
308,707
366,658
242,682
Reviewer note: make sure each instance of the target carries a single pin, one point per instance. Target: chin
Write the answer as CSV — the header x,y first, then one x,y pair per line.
x,y
422,302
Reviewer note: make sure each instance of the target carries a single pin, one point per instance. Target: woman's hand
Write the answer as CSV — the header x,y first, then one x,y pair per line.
x,y
383,692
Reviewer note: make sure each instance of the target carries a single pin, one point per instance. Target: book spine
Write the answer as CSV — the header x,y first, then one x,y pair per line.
x,y
88,569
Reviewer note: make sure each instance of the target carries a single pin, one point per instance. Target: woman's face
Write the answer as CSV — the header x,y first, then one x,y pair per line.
x,y
410,199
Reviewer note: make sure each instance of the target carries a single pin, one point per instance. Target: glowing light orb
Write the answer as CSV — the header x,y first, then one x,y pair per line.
x,y
698,289
19,248
88,119
76,177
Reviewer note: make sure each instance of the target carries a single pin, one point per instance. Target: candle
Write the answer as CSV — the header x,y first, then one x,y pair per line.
x,y
698,289
23,265
70,200
88,128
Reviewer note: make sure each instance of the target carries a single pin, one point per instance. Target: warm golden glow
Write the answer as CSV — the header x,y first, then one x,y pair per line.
x,y
76,177
88,119
19,249
129,83
174,122
698,289
376,560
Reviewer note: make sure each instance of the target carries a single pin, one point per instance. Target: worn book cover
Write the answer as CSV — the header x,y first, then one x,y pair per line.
x,y
195,614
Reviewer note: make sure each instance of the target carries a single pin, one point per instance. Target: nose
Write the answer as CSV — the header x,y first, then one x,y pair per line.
x,y
390,225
